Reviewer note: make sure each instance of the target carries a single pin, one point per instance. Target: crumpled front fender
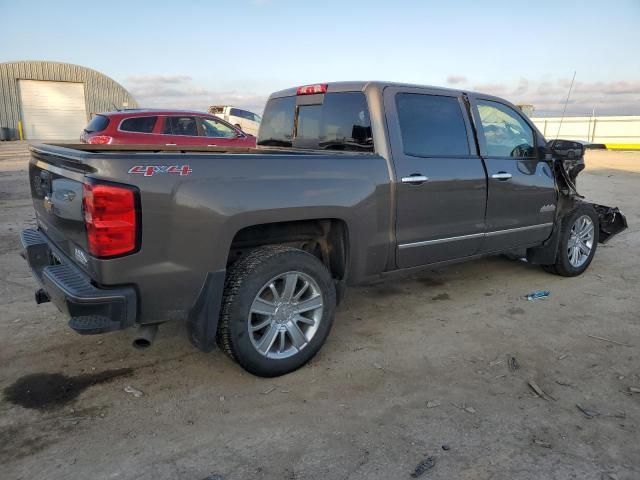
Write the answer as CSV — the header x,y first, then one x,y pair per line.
x,y
612,222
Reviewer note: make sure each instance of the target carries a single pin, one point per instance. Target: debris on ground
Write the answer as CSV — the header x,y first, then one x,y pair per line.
x,y
463,406
433,404
513,364
446,447
564,383
609,340
541,443
268,390
377,365
563,356
541,393
495,362
634,389
610,476
133,391
588,412
537,294
424,466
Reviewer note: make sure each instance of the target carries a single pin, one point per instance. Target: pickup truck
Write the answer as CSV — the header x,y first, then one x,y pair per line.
x,y
254,247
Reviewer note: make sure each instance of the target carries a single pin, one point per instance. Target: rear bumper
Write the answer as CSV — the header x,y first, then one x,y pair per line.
x,y
91,309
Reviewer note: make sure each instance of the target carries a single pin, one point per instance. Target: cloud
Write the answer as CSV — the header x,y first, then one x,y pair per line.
x,y
155,79
181,92
456,79
621,97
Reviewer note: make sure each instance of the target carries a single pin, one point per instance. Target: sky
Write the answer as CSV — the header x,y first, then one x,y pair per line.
x,y
192,54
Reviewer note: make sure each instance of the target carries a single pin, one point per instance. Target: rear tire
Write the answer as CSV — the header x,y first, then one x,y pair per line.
x,y
578,242
278,307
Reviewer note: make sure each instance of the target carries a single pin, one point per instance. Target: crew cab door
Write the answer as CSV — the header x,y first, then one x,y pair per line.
x,y
522,194
440,182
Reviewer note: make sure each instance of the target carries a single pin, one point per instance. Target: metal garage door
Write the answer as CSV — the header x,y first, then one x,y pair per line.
x,y
52,110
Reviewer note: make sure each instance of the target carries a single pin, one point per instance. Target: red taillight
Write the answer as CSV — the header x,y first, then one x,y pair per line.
x,y
110,218
100,140
312,89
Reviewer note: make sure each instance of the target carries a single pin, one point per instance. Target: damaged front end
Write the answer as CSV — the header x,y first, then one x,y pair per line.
x,y
568,162
612,221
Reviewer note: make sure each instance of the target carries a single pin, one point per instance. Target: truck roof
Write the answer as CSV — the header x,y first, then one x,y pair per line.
x,y
351,86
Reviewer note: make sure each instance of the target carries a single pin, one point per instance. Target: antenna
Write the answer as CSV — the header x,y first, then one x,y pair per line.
x,y
564,110
117,109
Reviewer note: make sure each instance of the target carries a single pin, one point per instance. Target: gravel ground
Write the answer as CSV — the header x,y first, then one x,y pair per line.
x,y
410,366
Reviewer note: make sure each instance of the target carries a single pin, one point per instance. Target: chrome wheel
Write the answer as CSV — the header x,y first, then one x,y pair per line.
x,y
580,241
285,315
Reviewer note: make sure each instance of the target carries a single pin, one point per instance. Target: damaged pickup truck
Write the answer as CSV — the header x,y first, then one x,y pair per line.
x,y
351,182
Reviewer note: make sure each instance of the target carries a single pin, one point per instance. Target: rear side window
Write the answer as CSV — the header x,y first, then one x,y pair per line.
x,y
341,122
236,112
431,125
180,126
139,124
97,124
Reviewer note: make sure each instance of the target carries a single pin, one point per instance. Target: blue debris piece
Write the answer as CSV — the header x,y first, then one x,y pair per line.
x,y
537,294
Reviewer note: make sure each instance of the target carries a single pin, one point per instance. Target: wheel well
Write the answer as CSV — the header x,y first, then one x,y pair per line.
x,y
324,238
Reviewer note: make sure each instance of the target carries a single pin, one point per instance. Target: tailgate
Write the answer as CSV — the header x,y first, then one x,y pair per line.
x,y
56,189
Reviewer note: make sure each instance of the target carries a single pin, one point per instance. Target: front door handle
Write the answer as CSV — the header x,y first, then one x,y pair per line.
x,y
501,176
171,144
415,179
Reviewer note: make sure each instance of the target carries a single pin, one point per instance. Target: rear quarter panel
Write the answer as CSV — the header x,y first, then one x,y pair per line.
x,y
189,221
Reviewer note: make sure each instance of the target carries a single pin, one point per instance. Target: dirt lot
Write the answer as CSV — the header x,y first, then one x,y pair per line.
x,y
410,366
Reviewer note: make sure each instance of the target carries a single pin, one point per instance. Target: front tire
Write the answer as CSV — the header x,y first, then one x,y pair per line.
x,y
578,242
278,308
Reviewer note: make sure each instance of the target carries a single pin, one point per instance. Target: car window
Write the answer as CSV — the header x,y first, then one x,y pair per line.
x,y
257,118
341,123
431,125
97,124
180,126
138,124
236,112
505,132
277,127
213,128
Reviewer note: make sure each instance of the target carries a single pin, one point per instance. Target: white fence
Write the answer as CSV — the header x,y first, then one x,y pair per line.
x,y
614,131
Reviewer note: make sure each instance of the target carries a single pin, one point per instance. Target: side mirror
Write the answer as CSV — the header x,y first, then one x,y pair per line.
x,y
565,149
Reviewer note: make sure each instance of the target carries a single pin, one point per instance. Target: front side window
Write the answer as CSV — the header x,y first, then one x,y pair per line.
x,y
213,128
505,132
138,124
431,125
180,126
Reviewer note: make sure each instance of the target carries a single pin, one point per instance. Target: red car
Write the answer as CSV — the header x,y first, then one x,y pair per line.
x,y
164,127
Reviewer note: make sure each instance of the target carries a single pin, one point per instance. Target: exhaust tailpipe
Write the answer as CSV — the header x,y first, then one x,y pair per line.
x,y
144,336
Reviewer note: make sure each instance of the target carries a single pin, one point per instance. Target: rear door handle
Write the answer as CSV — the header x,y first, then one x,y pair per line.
x,y
501,176
171,144
415,179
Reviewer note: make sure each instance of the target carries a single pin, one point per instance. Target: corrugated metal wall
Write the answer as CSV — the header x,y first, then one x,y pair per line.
x,y
101,92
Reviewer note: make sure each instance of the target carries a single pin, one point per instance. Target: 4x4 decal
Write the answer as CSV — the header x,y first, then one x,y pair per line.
x,y
151,170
